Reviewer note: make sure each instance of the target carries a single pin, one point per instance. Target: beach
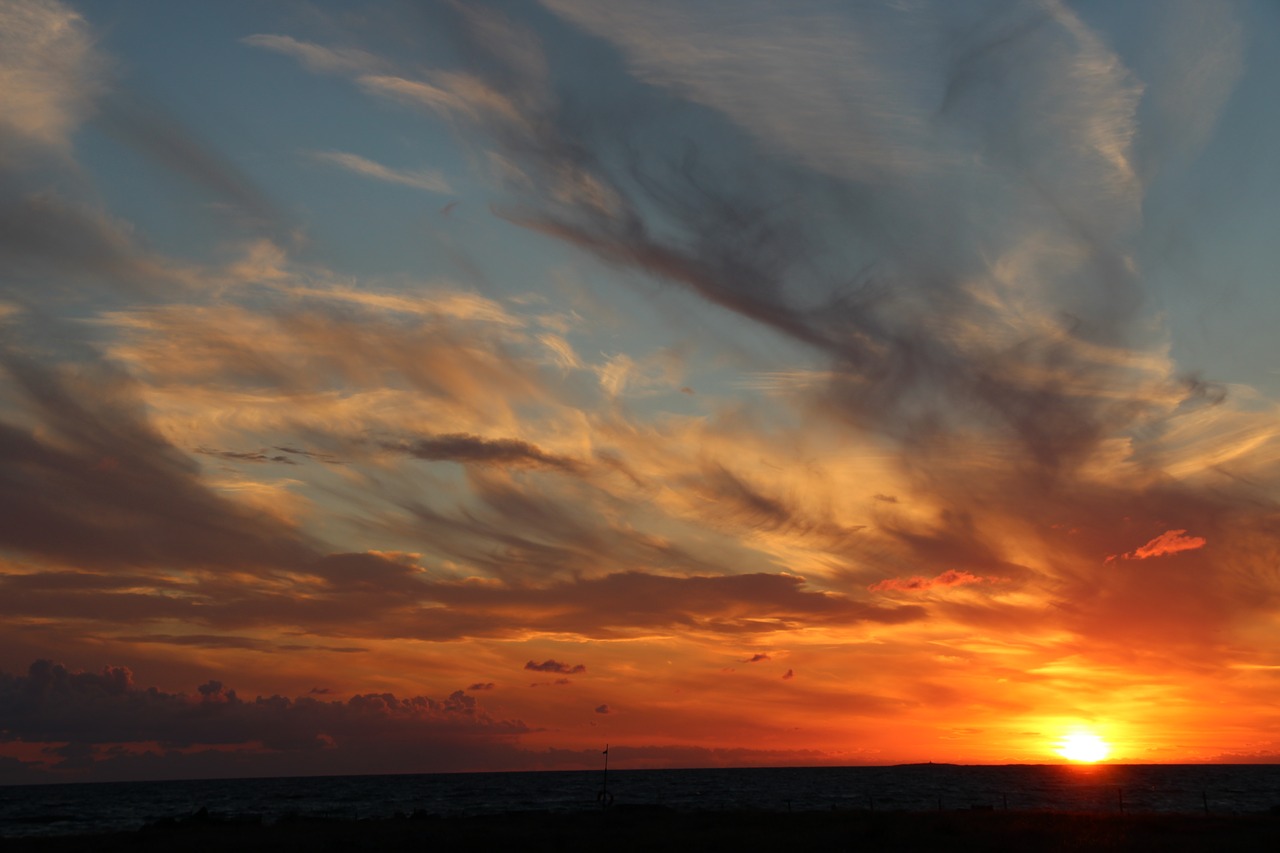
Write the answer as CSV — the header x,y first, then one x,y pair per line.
x,y
656,828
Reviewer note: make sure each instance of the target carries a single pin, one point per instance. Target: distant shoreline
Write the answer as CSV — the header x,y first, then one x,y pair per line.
x,y
655,827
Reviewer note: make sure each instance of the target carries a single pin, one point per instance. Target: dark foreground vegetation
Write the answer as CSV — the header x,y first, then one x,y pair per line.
x,y
658,829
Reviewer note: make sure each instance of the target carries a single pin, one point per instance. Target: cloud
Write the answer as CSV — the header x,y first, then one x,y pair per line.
x,y
44,236
729,500
555,666
1199,52
91,726
325,60
418,179
165,141
52,704
310,454
50,72
450,94
951,577
111,491
255,456
472,449
481,685
224,641
759,67
371,596
338,360
1169,542
788,675
635,603
916,325
756,658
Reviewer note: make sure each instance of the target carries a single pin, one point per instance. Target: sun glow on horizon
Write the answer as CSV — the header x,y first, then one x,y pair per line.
x,y
1084,747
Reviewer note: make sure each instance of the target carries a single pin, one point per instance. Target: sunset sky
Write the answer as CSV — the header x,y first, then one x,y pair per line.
x,y
427,386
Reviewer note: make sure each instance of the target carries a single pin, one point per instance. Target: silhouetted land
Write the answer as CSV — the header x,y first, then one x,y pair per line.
x,y
648,829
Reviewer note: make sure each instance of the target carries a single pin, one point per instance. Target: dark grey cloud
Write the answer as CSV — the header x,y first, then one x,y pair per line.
x,y
555,666
104,726
225,641
621,604
311,454
472,449
368,595
52,704
255,456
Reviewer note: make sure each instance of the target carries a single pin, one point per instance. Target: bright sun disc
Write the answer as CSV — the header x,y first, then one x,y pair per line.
x,y
1082,746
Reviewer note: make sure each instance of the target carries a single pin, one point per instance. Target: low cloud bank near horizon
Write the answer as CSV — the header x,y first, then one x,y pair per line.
x,y
87,726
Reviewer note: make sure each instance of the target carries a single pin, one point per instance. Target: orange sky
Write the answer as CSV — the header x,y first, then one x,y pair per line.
x,y
468,388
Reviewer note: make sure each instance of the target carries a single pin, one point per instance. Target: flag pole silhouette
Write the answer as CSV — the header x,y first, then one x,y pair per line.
x,y
604,798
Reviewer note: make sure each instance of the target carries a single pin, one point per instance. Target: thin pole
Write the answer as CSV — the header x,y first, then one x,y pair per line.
x,y
605,787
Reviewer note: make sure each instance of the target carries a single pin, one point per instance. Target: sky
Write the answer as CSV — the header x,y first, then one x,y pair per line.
x,y
424,387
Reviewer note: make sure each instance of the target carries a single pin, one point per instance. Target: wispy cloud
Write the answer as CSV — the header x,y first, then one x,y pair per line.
x,y
421,179
948,578
50,71
451,94
318,58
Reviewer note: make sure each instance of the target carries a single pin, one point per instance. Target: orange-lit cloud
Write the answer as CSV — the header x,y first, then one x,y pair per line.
x,y
951,577
1169,542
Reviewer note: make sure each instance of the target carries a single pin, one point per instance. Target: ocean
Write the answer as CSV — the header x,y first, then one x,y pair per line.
x,y
95,807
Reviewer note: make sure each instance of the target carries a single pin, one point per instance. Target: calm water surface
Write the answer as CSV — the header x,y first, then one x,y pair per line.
x,y
80,808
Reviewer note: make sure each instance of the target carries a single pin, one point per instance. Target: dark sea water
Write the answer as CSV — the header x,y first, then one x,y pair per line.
x,y
96,807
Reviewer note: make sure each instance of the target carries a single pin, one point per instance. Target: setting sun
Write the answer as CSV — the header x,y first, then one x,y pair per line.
x,y
1084,747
